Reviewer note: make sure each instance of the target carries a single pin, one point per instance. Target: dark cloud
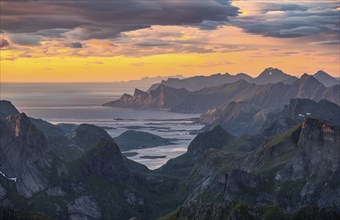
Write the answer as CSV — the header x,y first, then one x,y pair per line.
x,y
108,18
267,7
75,45
293,21
25,39
3,43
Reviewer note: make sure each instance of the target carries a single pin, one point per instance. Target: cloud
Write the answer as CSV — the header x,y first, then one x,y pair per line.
x,y
292,20
328,42
75,45
25,39
107,19
3,42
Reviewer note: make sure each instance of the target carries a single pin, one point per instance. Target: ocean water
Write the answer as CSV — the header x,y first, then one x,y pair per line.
x,y
81,103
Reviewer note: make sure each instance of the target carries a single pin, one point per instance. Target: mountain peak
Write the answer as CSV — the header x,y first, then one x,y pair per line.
x,y
104,159
7,108
321,72
305,75
271,71
213,139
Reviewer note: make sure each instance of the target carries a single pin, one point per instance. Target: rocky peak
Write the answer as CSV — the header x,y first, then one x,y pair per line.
x,y
7,109
105,160
139,92
321,73
271,72
86,135
125,97
213,139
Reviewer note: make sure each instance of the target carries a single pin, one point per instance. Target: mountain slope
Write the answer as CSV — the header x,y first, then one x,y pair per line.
x,y
326,79
297,167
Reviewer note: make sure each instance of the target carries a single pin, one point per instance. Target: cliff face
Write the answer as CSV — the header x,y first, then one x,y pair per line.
x,y
162,97
23,154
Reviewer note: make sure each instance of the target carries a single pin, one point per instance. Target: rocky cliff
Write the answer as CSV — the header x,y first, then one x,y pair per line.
x,y
162,97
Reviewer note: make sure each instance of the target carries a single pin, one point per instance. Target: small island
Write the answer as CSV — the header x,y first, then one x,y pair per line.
x,y
132,139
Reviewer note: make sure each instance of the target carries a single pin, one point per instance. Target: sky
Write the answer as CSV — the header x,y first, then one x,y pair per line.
x,y
115,40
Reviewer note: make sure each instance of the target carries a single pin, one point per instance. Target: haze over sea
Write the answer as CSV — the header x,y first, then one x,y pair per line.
x,y
81,103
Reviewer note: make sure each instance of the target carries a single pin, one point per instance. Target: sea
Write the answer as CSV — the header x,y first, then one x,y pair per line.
x,y
79,103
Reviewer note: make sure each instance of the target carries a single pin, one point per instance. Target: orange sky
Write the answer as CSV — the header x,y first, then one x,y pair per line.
x,y
187,51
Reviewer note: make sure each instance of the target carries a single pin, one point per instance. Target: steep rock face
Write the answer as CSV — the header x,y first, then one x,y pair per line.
x,y
23,154
162,97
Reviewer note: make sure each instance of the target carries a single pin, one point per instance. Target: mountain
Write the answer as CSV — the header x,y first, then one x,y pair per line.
x,y
240,210
295,168
24,157
273,95
200,82
196,83
138,140
326,79
237,117
162,97
7,108
273,75
295,112
241,118
79,175
295,173
265,96
271,89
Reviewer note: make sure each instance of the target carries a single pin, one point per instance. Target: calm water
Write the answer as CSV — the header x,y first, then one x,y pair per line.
x,y
80,103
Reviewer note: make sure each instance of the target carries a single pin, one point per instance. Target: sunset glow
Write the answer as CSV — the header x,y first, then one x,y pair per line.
x,y
246,40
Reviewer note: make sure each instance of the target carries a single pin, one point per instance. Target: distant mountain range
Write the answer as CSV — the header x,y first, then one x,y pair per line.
x,y
269,75
265,96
